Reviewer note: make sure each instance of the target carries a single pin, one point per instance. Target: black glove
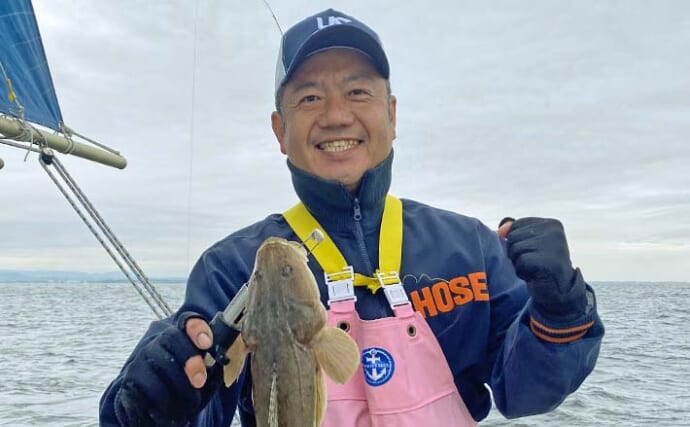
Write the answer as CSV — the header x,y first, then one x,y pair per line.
x,y
155,389
539,252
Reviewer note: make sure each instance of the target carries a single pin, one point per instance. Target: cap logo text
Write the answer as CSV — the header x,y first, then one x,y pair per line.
x,y
332,20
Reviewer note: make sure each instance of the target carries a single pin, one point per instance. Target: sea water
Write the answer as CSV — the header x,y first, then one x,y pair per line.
x,y
62,343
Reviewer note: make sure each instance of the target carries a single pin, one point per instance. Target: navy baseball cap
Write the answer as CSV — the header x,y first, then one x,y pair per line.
x,y
325,30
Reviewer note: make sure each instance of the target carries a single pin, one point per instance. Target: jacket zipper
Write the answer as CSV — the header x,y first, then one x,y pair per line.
x,y
359,236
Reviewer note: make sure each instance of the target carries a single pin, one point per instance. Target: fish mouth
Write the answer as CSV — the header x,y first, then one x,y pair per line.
x,y
338,145
271,241
275,245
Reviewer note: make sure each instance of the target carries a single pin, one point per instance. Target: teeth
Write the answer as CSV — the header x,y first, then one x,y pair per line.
x,y
340,145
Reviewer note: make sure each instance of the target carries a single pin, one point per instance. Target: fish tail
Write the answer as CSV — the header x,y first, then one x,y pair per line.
x,y
273,400
320,389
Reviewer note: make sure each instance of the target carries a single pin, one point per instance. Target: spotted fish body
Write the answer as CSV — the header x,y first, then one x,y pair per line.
x,y
284,328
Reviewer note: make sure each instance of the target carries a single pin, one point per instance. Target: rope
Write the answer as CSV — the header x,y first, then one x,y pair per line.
x,y
161,308
68,132
27,134
27,131
11,95
70,143
111,236
20,146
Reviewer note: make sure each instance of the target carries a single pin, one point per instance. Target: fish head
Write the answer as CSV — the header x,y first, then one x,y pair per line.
x,y
282,264
283,285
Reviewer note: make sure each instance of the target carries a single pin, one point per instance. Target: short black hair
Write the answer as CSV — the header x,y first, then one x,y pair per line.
x,y
506,219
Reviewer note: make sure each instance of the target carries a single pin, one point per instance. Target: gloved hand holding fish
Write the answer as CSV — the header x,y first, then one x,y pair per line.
x,y
156,387
283,325
284,328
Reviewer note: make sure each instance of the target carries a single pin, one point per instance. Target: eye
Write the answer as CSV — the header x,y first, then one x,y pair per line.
x,y
360,93
308,99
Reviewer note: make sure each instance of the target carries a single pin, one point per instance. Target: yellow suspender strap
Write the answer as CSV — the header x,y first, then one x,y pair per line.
x,y
391,235
329,257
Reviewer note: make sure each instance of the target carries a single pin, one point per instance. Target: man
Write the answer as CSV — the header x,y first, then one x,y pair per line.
x,y
465,317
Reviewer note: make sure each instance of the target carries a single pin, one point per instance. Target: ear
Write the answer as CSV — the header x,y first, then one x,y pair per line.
x,y
392,104
504,230
278,126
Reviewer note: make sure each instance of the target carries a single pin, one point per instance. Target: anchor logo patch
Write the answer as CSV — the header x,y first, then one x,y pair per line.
x,y
378,366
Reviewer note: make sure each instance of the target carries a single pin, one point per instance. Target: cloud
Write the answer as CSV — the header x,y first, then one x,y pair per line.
x,y
562,109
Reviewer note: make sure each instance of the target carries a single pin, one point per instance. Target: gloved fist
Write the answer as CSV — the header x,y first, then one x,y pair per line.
x,y
156,388
539,252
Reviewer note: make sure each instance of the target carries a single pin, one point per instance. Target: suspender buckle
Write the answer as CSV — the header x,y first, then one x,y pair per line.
x,y
341,285
393,288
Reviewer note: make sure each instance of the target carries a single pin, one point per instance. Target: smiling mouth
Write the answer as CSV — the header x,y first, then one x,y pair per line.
x,y
338,145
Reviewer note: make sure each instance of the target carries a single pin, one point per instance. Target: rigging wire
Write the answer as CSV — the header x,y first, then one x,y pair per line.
x,y
270,9
143,286
47,159
191,140
20,146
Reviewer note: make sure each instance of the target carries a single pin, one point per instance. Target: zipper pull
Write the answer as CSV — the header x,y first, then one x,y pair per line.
x,y
358,212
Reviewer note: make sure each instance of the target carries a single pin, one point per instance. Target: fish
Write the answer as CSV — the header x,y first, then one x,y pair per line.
x,y
284,328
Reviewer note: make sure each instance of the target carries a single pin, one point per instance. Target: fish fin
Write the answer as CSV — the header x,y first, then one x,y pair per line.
x,y
320,388
273,401
237,353
337,353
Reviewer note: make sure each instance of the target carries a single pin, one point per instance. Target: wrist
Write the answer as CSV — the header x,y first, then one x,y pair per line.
x,y
565,306
563,329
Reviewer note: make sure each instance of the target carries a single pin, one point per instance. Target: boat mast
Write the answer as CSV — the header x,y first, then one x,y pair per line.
x,y
14,129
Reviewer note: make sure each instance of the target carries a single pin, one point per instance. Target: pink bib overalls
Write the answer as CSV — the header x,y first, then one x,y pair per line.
x,y
404,380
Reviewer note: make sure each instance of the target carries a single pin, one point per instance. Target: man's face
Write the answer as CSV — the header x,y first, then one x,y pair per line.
x,y
337,119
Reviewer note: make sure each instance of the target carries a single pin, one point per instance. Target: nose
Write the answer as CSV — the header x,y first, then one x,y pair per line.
x,y
337,112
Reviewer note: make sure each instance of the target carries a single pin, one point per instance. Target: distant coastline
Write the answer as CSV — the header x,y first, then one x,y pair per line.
x,y
73,276
114,276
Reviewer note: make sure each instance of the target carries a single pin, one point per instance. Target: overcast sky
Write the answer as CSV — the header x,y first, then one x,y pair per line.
x,y
574,110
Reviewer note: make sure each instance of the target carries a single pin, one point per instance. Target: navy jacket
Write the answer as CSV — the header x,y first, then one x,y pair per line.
x,y
454,271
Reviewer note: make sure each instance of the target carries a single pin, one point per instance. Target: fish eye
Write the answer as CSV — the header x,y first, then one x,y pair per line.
x,y
286,271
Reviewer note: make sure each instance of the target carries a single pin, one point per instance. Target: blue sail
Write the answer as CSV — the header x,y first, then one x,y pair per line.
x,y
24,63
